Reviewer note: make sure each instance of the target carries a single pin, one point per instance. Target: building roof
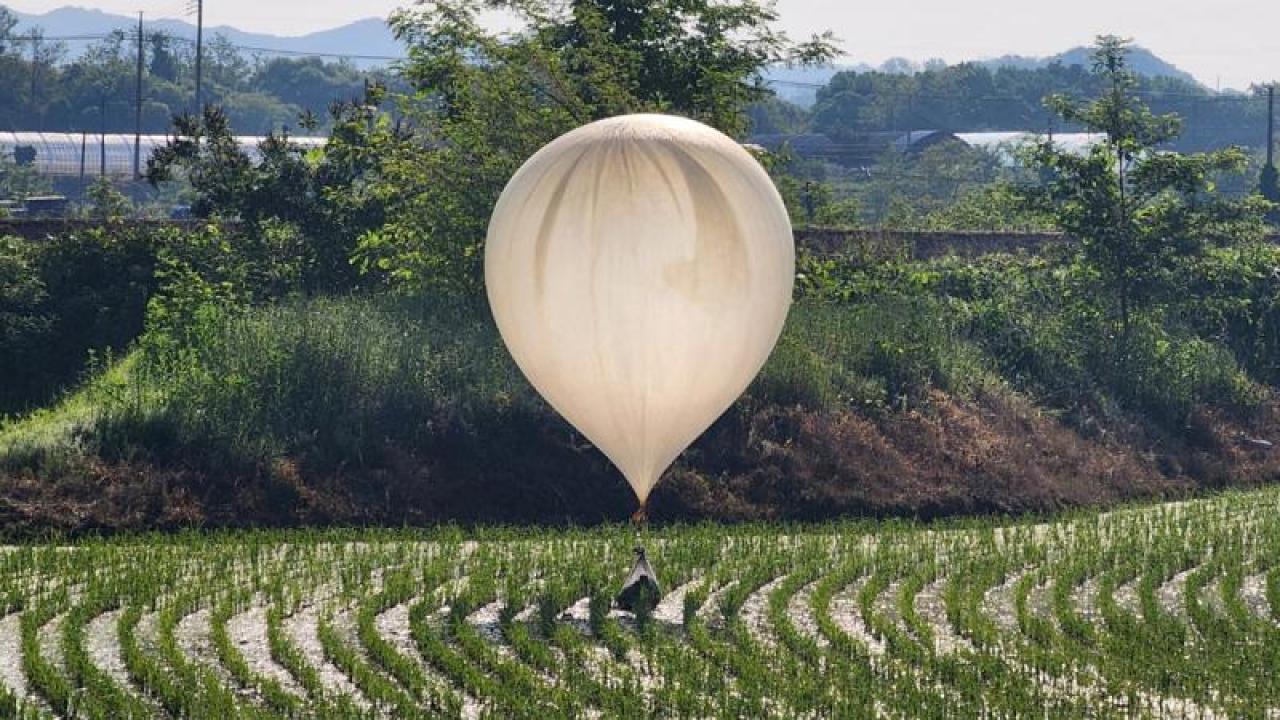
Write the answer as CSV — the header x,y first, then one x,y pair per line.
x,y
917,140
1006,142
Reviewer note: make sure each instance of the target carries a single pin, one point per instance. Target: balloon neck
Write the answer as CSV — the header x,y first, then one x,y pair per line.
x,y
640,518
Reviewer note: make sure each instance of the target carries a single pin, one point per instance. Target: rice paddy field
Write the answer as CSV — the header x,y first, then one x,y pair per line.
x,y
1160,611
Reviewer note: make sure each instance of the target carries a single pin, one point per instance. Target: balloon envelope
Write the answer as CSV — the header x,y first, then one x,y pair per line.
x,y
640,270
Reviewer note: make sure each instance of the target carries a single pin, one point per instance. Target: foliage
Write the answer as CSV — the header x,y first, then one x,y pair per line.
x,y
75,296
246,383
65,299
1137,211
105,202
94,90
1036,324
996,207
24,325
484,103
808,198
251,382
302,209
19,181
267,365
973,97
945,187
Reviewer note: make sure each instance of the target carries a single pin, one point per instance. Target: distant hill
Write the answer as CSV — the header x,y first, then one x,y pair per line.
x,y
370,37
373,39
800,85
1142,60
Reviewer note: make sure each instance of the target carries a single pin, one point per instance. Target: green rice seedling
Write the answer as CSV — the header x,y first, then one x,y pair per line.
x,y
1138,612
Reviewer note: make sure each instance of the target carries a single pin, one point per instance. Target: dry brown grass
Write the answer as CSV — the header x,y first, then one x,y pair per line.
x,y
994,453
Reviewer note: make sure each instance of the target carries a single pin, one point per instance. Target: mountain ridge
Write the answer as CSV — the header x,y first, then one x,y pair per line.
x,y
798,85
367,42
370,42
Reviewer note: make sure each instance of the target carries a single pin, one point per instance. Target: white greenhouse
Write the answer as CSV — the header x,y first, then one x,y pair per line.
x,y
92,154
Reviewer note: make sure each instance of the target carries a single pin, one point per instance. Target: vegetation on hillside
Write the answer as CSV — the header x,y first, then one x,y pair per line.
x,y
328,356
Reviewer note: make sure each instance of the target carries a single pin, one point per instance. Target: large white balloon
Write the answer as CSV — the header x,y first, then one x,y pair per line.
x,y
640,270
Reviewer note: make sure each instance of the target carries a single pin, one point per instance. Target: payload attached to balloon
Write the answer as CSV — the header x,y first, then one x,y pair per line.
x,y
640,270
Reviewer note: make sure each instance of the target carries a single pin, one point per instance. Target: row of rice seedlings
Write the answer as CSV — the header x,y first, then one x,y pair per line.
x,y
782,650
1115,653
360,574
521,691
271,692
100,695
864,675
565,651
725,667
44,678
183,686
777,644
1076,639
974,680
725,644
398,587
31,575
568,651
972,576
814,659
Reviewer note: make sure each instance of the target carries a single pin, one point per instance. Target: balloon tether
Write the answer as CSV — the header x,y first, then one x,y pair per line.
x,y
640,518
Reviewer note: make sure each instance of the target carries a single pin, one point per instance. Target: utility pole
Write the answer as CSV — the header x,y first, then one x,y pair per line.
x,y
1269,183
35,65
1271,125
102,136
84,147
137,110
199,55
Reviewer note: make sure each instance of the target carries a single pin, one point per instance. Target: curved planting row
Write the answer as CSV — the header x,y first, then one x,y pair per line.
x,y
1167,611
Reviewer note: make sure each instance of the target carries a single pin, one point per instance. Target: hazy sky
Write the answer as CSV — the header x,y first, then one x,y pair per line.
x,y
1233,42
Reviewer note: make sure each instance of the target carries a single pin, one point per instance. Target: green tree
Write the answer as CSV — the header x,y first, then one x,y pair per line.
x,y
100,84
290,192
107,202
1136,209
164,63
484,103
308,82
8,21
20,180
23,324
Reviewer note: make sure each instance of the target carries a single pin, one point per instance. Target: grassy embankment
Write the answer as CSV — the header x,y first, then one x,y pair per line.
x,y
918,389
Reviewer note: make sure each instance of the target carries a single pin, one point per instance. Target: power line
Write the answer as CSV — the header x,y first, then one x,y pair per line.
x,y
199,53
248,48
306,53
1151,94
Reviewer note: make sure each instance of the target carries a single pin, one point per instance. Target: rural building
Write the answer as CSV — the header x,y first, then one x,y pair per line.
x,y
865,149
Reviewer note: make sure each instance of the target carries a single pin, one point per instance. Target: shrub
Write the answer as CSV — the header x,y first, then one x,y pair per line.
x,y
893,348
329,379
72,295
